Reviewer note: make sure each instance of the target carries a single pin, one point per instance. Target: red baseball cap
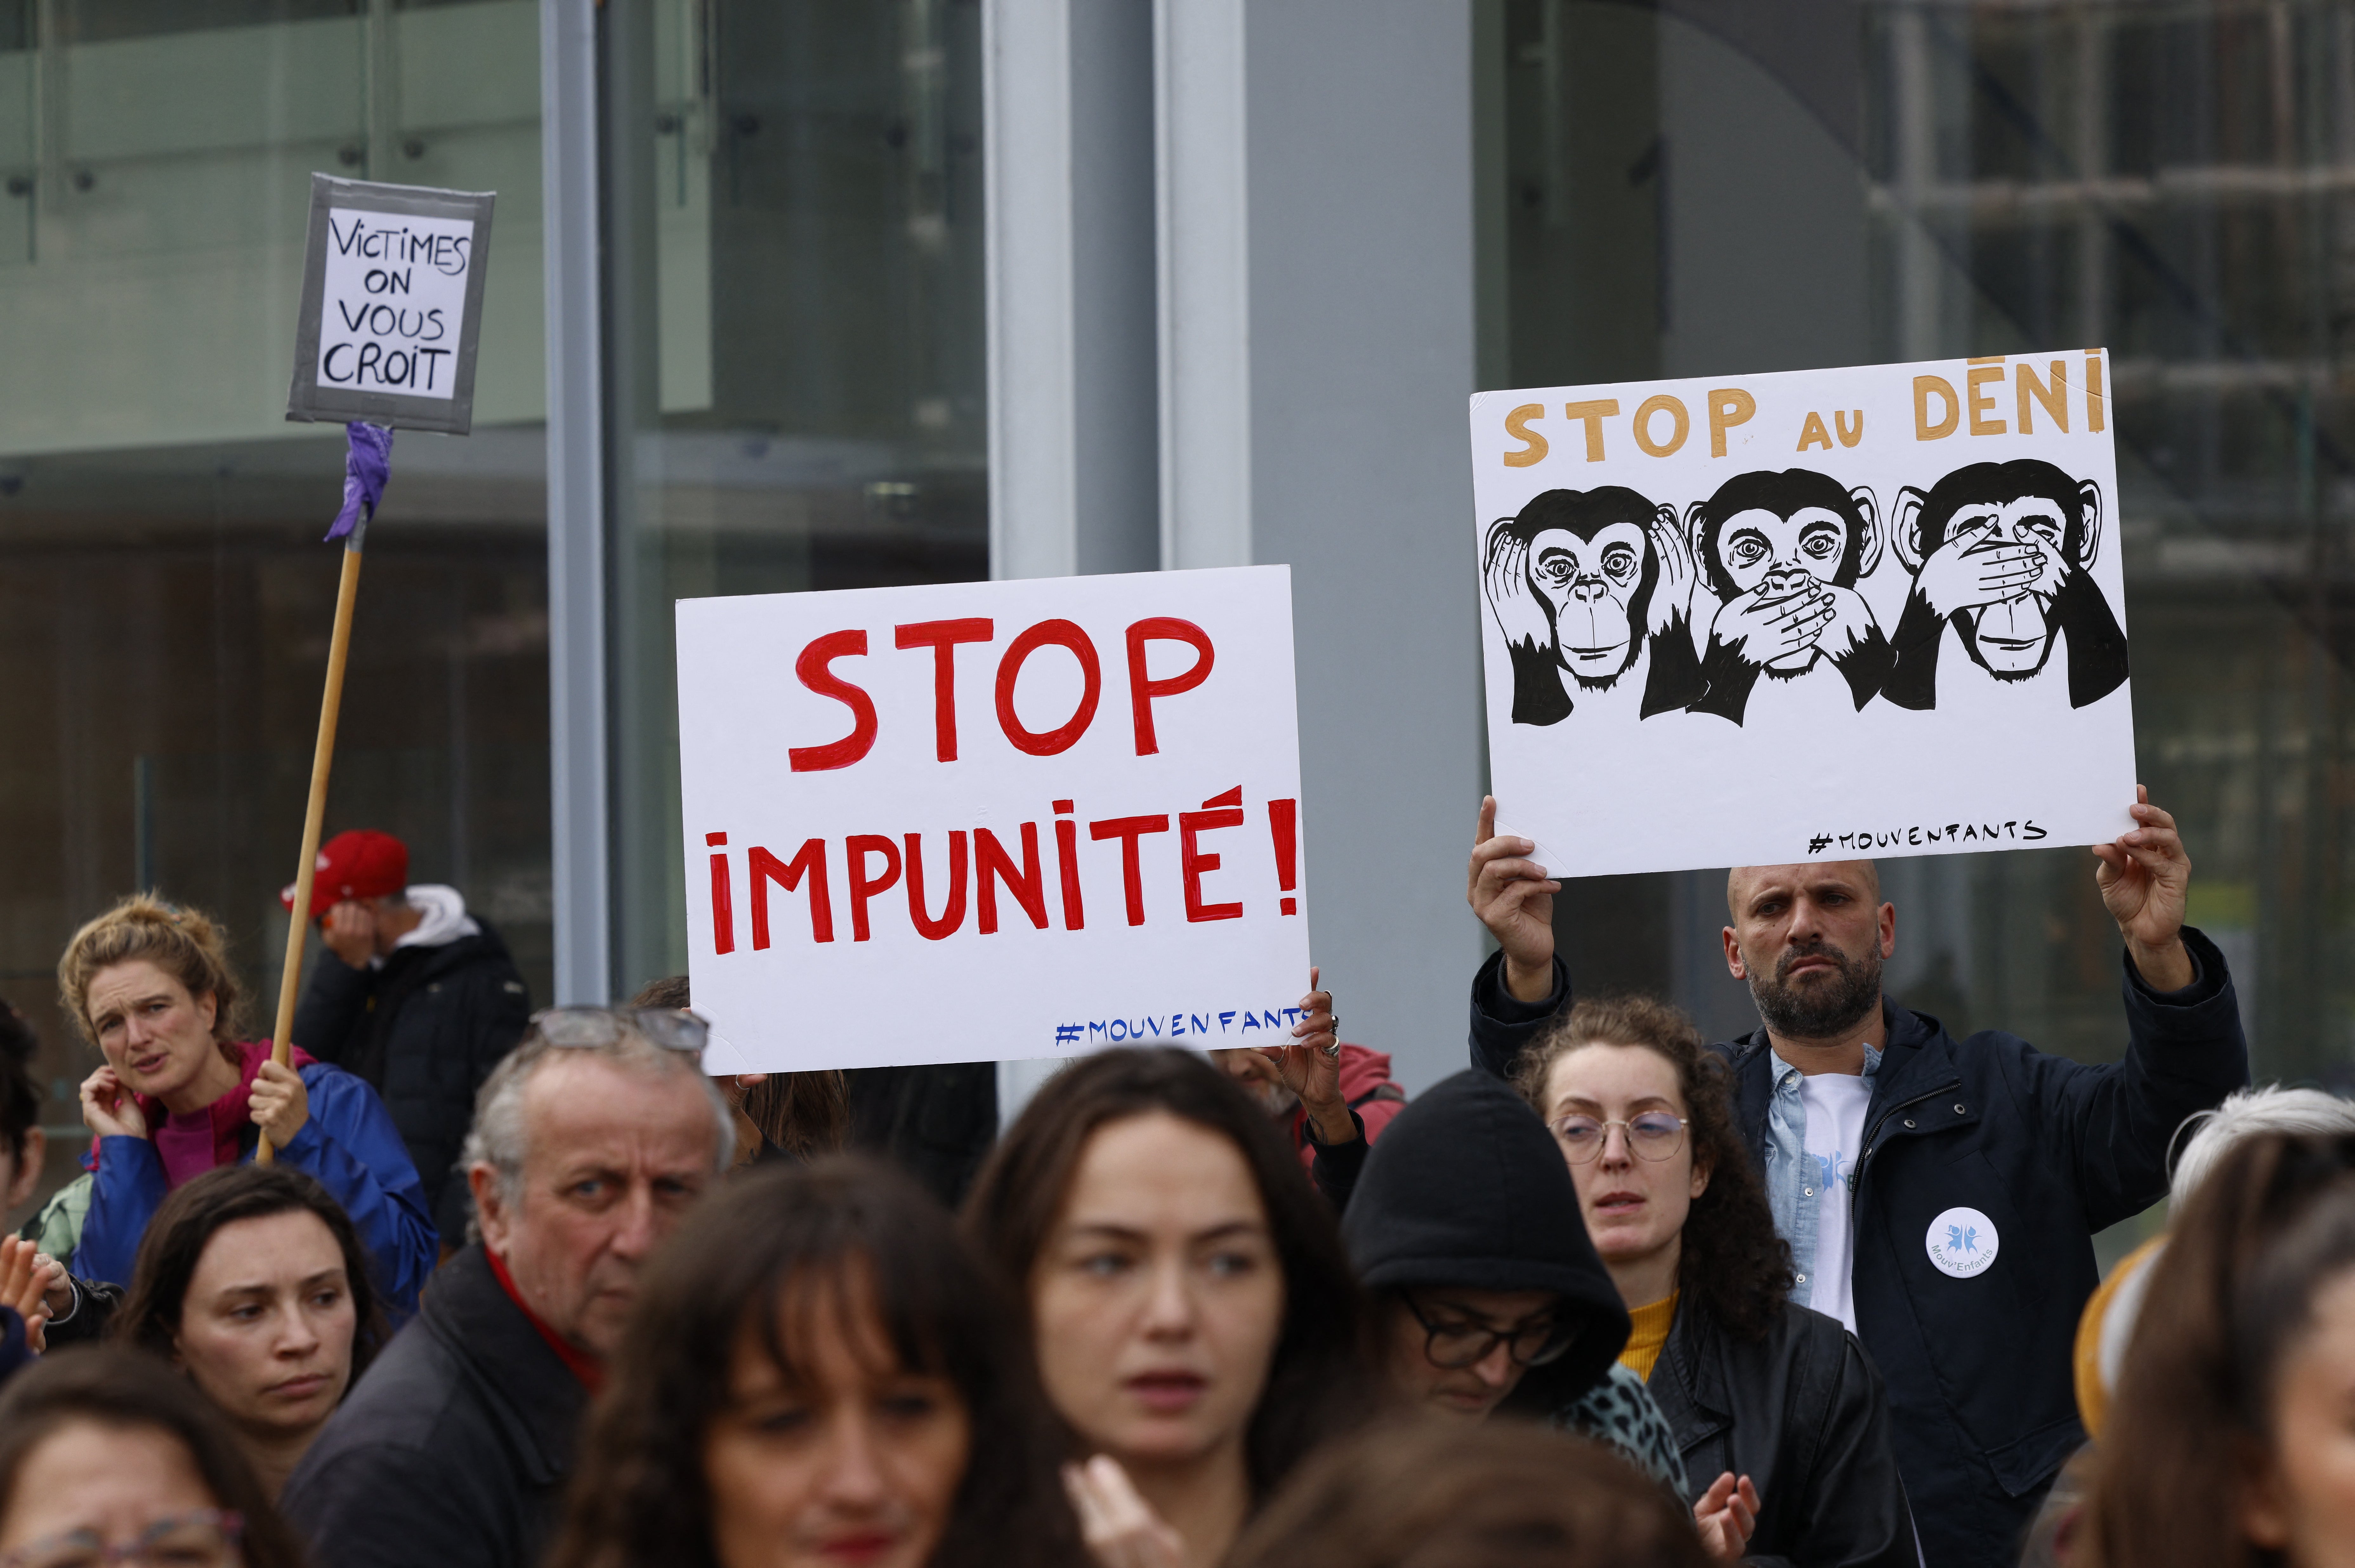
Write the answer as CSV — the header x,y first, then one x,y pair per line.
x,y
361,864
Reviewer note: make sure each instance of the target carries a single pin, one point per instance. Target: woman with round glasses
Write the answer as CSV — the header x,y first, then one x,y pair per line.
x,y
106,1458
1753,1386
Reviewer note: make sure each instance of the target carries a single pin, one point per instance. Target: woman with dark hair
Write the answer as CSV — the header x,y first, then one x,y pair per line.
x,y
819,1371
1754,1387
252,1281
2227,1443
779,1115
106,1457
1194,1313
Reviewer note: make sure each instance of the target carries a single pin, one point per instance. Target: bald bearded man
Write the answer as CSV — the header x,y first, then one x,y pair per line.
x,y
1939,1196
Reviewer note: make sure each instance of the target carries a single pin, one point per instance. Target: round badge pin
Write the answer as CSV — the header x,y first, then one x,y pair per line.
x,y
1962,1243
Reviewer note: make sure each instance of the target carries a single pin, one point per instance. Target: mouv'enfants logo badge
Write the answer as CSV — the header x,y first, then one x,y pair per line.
x,y
1962,1243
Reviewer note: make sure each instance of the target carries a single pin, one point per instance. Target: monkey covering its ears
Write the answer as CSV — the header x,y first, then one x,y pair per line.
x,y
1586,584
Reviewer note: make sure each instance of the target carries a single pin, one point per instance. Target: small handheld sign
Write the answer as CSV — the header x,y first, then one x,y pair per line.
x,y
392,310
392,305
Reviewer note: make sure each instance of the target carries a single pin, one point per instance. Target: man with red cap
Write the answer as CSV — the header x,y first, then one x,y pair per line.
x,y
413,995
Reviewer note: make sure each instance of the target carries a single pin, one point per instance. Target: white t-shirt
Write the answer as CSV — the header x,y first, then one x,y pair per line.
x,y
1835,1103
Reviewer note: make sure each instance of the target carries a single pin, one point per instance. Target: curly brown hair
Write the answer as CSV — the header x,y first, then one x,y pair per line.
x,y
184,943
1734,1263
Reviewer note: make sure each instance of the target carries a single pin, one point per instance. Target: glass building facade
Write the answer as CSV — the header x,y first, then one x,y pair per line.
x,y
1689,190
791,305
165,599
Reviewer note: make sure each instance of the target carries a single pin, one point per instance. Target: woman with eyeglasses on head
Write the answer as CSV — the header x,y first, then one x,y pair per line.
x,y
1754,1387
820,1372
252,1282
1197,1324
106,1458
779,1115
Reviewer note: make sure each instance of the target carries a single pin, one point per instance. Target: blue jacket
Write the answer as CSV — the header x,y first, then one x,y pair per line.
x,y
349,1146
1981,1396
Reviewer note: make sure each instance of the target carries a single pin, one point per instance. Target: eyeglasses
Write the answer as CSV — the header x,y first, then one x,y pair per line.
x,y
1462,1342
590,1029
203,1539
1655,1134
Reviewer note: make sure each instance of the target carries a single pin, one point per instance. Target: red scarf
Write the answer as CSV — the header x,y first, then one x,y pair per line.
x,y
231,1118
579,1362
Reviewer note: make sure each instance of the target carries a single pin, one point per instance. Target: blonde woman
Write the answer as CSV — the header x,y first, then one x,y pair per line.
x,y
149,985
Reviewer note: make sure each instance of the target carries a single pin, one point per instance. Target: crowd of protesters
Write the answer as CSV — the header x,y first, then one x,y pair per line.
x,y
523,1288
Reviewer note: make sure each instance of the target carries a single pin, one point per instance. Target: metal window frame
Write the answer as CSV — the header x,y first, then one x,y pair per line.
x,y
579,807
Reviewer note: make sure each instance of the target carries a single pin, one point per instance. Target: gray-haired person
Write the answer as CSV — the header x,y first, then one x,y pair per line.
x,y
590,1143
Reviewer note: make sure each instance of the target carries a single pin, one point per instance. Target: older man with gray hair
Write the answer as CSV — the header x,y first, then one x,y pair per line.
x,y
590,1141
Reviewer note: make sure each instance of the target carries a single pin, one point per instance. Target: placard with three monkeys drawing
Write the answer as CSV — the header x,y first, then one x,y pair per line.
x,y
1822,614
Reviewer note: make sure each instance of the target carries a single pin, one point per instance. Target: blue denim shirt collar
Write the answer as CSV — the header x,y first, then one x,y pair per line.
x,y
1795,1212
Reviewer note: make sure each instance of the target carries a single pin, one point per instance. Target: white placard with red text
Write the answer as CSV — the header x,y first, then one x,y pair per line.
x,y
990,821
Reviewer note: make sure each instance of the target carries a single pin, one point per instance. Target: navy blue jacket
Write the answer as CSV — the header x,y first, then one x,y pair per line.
x,y
1981,1396
423,1032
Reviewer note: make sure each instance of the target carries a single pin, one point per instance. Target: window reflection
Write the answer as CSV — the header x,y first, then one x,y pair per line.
x,y
165,599
1679,189
796,293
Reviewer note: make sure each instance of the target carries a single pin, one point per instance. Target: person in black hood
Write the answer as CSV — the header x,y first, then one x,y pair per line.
x,y
1464,1228
415,996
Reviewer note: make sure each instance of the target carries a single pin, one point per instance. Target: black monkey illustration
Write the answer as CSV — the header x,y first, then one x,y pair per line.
x,y
1782,552
1585,582
2004,553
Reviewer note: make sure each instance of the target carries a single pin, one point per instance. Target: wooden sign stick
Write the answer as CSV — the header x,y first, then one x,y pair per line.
x,y
323,758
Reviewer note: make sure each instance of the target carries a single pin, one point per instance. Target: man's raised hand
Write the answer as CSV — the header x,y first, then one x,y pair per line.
x,y
1310,1065
2144,877
1514,898
350,933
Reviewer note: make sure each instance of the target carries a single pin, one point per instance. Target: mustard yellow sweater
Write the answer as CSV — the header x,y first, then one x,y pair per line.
x,y
1647,1335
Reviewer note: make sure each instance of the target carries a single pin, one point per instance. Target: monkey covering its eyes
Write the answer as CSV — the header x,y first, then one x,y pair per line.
x,y
1588,583
2003,553
1782,552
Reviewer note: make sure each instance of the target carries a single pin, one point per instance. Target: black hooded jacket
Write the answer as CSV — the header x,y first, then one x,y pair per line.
x,y
423,1032
1466,1188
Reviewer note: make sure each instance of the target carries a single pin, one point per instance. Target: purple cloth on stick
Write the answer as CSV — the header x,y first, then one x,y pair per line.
x,y
366,465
